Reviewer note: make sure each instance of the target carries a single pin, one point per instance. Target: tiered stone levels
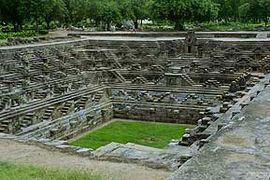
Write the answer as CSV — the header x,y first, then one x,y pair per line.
x,y
58,90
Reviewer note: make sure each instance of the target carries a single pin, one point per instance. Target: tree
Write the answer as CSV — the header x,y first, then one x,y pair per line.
x,y
54,10
79,10
135,10
181,11
43,11
255,10
109,13
265,10
106,12
225,9
10,11
244,12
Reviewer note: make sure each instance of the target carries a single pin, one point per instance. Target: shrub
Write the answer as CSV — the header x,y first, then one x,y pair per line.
x,y
22,34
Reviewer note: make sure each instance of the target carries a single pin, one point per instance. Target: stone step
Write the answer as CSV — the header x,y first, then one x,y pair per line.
x,y
3,129
65,108
4,125
47,113
65,111
25,125
81,104
5,122
51,108
2,105
27,118
84,98
46,118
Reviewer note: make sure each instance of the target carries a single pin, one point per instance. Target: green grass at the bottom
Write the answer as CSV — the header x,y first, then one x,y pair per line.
x,y
156,135
10,171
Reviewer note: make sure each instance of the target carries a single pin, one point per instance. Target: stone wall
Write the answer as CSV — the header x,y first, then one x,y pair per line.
x,y
73,125
158,113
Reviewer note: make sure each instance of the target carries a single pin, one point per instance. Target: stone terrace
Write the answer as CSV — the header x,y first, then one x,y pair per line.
x,y
56,90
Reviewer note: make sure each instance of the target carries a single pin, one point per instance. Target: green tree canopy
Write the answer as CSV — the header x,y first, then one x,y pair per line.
x,y
103,13
181,11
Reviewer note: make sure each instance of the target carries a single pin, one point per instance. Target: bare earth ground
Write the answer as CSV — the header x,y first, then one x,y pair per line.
x,y
12,151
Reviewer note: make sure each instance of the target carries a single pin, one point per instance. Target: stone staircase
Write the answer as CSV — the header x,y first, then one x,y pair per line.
x,y
27,120
82,103
37,66
37,78
98,96
119,76
187,79
4,126
159,79
113,57
40,95
58,91
184,59
47,116
4,103
67,106
13,71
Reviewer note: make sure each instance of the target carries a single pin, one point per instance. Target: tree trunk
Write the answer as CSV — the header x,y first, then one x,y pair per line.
x,y
48,24
136,24
96,23
179,25
20,27
108,26
37,25
266,22
15,26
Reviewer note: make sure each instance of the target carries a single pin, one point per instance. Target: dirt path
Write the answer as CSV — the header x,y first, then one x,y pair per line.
x,y
29,154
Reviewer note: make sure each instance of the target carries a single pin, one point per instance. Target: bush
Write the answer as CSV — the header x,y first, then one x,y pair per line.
x,y
43,32
22,34
229,26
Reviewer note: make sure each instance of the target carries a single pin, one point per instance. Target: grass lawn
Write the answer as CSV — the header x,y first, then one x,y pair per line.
x,y
9,171
151,134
